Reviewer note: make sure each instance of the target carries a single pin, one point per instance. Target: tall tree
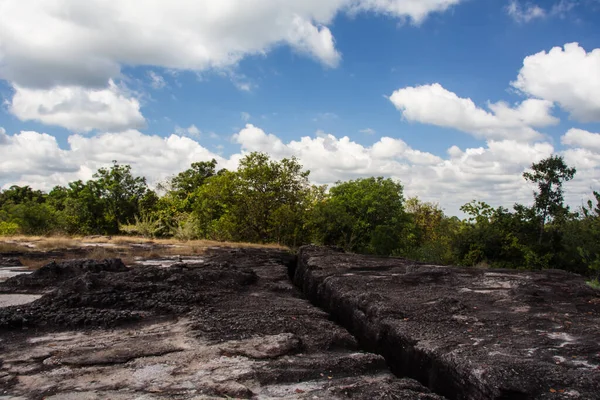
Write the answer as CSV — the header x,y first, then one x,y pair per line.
x,y
121,192
184,183
364,215
549,175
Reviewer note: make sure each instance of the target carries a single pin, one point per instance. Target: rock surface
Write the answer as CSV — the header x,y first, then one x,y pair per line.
x,y
466,333
233,326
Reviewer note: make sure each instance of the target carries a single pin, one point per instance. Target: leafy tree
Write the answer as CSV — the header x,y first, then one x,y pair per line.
x,y
263,201
121,193
81,209
549,175
429,233
583,239
188,181
21,194
363,215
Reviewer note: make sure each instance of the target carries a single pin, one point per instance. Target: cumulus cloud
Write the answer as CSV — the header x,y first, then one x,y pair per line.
x,y
69,42
581,138
77,108
524,13
433,104
569,76
490,173
74,49
36,159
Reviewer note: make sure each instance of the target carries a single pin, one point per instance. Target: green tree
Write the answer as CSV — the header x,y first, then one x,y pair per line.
x,y
21,194
429,233
364,215
549,175
121,193
263,201
188,181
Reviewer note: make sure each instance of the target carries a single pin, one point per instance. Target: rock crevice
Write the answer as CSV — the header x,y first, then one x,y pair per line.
x,y
517,335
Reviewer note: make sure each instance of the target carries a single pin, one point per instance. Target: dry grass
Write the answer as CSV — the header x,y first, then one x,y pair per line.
x,y
128,240
101,247
55,243
13,247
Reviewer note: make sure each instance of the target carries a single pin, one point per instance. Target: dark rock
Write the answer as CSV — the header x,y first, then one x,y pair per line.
x,y
268,340
10,262
465,333
54,273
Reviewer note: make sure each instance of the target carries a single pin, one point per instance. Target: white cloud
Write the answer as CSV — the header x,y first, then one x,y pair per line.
x,y
583,139
36,159
569,77
490,173
368,131
191,131
156,80
416,10
432,104
78,109
74,48
69,42
525,13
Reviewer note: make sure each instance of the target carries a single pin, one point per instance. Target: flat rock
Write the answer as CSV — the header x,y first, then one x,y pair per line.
x,y
233,326
465,333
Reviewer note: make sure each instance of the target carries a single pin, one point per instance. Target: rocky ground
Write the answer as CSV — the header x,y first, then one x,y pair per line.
x,y
465,333
226,324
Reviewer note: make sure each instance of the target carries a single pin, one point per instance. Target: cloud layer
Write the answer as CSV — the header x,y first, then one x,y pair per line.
x,y
61,56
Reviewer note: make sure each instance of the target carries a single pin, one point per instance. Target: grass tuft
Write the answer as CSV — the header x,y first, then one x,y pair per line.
x,y
595,283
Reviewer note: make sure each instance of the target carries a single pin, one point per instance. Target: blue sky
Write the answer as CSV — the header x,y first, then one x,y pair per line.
x,y
325,71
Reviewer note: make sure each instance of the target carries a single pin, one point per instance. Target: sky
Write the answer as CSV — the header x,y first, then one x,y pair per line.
x,y
453,98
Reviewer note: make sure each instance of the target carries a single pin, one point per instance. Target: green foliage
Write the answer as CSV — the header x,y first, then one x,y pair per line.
x,y
364,215
268,200
145,226
21,194
595,283
8,228
263,201
549,175
120,192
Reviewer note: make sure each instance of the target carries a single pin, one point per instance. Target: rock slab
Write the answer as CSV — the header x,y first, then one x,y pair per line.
x,y
465,333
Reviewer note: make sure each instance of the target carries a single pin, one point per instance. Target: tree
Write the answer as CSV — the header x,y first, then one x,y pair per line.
x,y
121,192
365,215
263,201
429,232
21,194
549,175
184,185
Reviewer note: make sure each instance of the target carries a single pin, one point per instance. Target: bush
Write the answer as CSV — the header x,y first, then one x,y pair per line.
x,y
8,228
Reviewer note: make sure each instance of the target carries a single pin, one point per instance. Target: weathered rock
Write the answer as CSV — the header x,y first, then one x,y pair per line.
x,y
10,262
233,326
89,293
465,333
55,273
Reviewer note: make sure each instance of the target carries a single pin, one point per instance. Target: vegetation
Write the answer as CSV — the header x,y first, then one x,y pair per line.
x,y
269,201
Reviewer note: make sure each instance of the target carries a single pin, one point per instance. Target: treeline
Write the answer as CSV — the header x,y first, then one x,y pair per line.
x,y
273,201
